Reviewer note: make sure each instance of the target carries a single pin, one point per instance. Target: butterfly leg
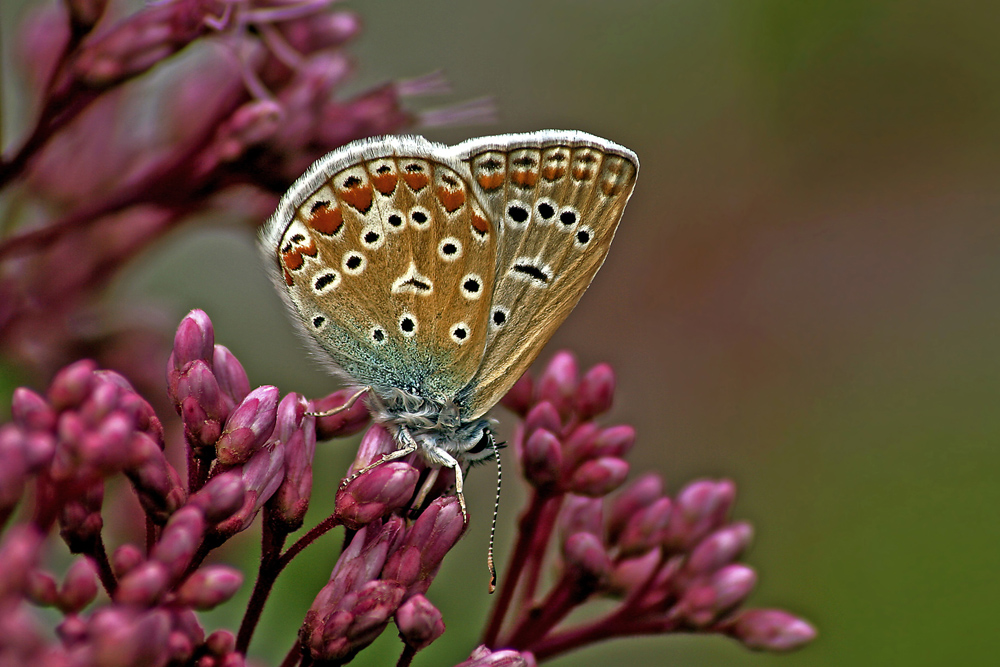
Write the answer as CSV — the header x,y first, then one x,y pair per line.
x,y
346,406
444,458
406,450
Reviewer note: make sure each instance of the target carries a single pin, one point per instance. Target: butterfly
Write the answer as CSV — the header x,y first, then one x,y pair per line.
x,y
431,276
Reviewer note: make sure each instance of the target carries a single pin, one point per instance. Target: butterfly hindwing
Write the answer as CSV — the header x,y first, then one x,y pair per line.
x,y
558,197
387,257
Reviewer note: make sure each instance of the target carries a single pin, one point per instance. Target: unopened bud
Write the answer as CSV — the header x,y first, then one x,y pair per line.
x,y
419,622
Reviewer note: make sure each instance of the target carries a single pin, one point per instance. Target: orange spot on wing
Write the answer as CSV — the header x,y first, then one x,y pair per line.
x,y
416,180
385,183
581,174
288,277
452,200
490,181
292,259
358,197
480,224
524,179
326,220
610,187
553,172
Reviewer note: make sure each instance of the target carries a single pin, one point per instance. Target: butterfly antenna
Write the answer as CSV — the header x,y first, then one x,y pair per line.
x,y
493,528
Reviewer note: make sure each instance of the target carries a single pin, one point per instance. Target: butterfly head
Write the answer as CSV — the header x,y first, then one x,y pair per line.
x,y
434,425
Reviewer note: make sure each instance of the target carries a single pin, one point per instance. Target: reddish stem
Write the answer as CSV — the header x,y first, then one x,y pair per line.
x,y
591,633
538,549
571,590
293,656
107,575
406,657
515,567
271,565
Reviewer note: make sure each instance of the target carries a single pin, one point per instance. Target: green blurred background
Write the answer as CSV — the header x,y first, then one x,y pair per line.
x,y
803,296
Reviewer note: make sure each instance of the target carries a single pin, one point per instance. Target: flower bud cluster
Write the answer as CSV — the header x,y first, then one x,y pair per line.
x,y
673,561
382,575
247,452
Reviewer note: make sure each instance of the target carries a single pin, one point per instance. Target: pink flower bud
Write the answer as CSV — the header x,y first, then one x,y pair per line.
x,y
79,588
220,642
558,382
771,630
72,385
13,467
542,458
646,529
144,585
254,122
431,536
641,493
31,412
720,548
126,558
41,588
209,587
544,415
320,32
229,373
584,553
180,540
142,415
290,415
195,339
483,657
699,508
39,449
249,426
419,622
222,497
519,399
374,443
342,424
154,479
125,637
581,514
614,441
596,392
629,573
291,500
598,477
103,398
261,475
376,493
202,406
80,521
703,603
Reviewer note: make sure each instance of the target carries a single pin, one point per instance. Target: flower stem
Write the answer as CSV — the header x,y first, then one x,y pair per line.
x,y
406,657
515,567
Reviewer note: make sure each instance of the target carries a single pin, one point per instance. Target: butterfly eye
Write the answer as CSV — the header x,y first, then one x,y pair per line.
x,y
485,441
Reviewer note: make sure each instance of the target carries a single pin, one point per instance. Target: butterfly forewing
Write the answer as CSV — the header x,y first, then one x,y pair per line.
x,y
389,260
558,198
